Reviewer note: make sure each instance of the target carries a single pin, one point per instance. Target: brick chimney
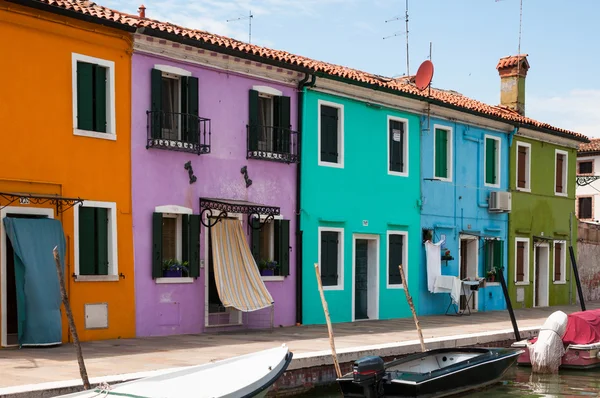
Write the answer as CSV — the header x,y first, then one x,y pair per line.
x,y
142,11
513,71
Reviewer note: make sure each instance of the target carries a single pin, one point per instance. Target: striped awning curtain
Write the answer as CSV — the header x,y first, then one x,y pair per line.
x,y
236,274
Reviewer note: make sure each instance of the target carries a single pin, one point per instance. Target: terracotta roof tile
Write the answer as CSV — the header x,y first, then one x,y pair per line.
x,y
592,146
510,61
398,84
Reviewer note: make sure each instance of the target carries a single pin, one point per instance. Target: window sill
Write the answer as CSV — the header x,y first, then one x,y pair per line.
x,y
273,156
564,195
560,282
495,186
336,287
329,164
524,189
395,287
165,281
521,283
96,278
95,134
397,173
442,179
274,278
492,283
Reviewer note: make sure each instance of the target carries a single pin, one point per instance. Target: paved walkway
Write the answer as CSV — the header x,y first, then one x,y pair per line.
x,y
112,357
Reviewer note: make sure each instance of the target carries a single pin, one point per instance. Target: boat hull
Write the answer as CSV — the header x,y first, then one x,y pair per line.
x,y
580,357
469,375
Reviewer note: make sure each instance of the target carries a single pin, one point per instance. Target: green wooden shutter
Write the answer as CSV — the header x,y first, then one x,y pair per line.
x,y
190,107
282,246
329,134
157,220
85,96
490,161
185,238
100,98
256,239
156,106
282,138
441,153
395,252
194,245
329,258
396,147
498,254
253,121
87,241
101,221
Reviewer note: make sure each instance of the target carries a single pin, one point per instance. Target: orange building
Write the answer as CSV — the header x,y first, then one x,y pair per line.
x,y
66,144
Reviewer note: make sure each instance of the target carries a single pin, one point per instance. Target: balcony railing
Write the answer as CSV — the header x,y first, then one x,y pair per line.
x,y
178,132
272,143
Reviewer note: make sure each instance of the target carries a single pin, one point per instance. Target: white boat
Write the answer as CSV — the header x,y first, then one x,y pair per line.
x,y
250,375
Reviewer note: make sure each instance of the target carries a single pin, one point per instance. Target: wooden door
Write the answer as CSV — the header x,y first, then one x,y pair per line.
x,y
361,281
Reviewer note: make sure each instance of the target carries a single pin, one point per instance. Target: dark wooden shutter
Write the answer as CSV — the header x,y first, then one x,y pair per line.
x,y
156,102
396,147
522,167
256,239
282,246
101,227
99,98
498,257
490,161
441,153
329,134
585,208
189,108
586,167
487,263
521,262
559,172
253,120
557,261
185,238
194,245
85,96
281,135
329,258
157,220
87,241
395,252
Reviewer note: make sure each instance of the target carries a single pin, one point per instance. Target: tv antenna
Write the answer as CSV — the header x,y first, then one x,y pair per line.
x,y
249,18
520,30
401,33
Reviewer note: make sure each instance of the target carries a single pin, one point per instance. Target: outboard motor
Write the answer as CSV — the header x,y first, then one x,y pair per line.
x,y
368,373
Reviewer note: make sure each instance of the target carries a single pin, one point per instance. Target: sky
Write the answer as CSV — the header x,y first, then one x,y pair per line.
x,y
468,37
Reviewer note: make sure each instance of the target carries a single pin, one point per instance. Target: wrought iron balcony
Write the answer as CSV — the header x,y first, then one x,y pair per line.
x,y
272,143
178,132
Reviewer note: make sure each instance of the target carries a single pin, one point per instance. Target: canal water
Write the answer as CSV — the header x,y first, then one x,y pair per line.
x,y
520,382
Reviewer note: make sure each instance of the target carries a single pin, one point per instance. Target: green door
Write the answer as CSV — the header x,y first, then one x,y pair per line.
x,y
361,282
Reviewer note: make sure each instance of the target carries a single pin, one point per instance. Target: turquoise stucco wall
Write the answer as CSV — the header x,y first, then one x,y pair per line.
x,y
360,191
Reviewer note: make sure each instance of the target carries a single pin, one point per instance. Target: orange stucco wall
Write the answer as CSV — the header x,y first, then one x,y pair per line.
x,y
40,153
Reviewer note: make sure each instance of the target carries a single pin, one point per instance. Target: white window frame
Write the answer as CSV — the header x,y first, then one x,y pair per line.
x,y
404,258
498,160
174,211
111,126
527,167
565,171
405,151
113,256
262,218
450,147
526,261
340,284
340,107
563,262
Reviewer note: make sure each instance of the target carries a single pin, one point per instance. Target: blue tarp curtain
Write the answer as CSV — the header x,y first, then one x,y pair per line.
x,y
38,291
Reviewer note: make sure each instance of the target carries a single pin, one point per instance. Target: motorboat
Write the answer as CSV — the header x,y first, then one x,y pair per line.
x,y
436,373
250,375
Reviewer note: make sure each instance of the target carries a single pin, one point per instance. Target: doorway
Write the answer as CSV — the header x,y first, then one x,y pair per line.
x,y
365,282
468,260
8,289
541,272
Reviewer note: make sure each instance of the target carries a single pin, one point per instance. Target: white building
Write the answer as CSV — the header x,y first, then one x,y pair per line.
x,y
587,206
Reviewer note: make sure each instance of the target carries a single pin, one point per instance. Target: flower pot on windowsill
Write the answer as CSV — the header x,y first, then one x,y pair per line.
x,y
172,273
267,272
447,258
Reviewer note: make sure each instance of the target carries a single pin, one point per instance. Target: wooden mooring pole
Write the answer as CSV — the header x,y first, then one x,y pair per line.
x,y
336,364
65,300
412,307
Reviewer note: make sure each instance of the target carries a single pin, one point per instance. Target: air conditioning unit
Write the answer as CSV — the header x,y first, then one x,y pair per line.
x,y
499,202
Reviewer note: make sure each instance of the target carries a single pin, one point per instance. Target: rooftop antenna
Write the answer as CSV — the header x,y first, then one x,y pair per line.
x,y
401,33
249,18
520,30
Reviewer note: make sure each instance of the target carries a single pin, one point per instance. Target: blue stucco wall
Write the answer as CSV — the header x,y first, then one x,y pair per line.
x,y
361,190
460,205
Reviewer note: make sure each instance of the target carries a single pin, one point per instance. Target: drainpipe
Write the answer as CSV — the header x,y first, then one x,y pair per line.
x,y
510,138
301,87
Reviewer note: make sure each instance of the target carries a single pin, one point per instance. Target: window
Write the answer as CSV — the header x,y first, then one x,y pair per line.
x,y
269,126
492,161
396,255
397,146
522,261
96,241
271,242
493,251
331,134
442,153
174,105
585,167
584,207
175,243
560,173
331,258
560,261
523,166
93,97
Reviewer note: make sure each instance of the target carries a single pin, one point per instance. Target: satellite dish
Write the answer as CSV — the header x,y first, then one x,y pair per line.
x,y
424,75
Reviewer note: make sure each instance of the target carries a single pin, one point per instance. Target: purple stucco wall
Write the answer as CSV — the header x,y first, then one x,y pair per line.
x,y
159,178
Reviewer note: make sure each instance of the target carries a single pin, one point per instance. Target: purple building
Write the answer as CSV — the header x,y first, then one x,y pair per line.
x,y
214,143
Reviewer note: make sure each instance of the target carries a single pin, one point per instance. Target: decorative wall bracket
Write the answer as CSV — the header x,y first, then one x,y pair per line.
x,y
586,180
267,220
209,217
188,167
244,171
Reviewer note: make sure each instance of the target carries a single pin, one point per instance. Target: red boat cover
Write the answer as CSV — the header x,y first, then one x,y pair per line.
x,y
583,327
